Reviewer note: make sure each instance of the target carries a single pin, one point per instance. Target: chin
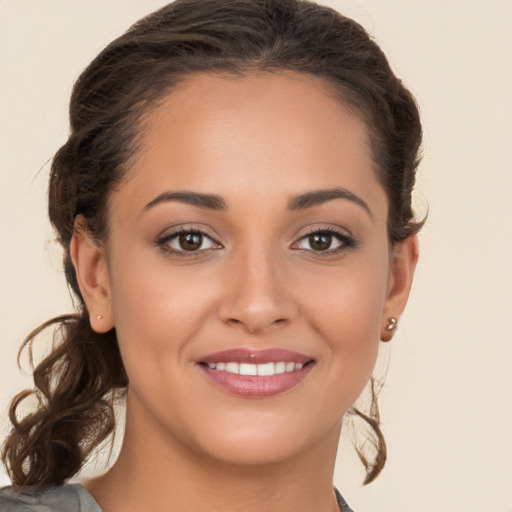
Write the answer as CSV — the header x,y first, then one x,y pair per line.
x,y
265,443
256,452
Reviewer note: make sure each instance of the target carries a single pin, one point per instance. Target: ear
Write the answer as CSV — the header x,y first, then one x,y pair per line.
x,y
91,269
404,257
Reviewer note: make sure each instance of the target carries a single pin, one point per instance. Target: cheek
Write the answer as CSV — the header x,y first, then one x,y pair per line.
x,y
156,309
347,304
345,308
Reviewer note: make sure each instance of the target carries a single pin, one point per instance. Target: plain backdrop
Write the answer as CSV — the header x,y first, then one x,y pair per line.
x,y
446,406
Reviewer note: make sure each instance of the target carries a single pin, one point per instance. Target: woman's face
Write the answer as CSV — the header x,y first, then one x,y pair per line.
x,y
249,237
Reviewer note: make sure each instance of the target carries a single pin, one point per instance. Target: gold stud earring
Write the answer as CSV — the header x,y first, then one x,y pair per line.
x,y
390,327
392,321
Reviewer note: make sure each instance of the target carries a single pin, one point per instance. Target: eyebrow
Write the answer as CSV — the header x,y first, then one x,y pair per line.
x,y
208,201
301,202
318,197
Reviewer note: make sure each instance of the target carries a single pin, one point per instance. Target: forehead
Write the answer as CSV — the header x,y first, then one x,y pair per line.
x,y
233,135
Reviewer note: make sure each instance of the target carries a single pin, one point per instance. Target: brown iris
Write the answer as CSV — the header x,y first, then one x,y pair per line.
x,y
320,241
190,241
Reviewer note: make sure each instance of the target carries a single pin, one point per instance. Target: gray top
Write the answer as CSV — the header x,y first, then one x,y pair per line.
x,y
67,498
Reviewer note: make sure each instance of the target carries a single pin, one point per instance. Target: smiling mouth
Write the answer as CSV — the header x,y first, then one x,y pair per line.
x,y
261,370
256,374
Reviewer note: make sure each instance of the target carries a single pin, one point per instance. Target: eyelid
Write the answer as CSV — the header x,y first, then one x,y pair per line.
x,y
346,238
163,240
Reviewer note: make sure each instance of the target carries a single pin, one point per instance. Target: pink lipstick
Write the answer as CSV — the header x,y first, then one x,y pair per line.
x,y
256,373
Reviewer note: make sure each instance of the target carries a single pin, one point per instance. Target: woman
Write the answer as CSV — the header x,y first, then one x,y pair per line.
x,y
234,202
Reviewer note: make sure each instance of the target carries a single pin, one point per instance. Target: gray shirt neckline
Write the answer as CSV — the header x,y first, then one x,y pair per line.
x,y
68,498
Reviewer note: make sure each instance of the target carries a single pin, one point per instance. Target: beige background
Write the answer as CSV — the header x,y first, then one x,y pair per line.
x,y
446,405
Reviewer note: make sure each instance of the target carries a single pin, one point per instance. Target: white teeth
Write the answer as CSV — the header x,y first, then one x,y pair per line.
x,y
264,369
232,367
280,367
248,369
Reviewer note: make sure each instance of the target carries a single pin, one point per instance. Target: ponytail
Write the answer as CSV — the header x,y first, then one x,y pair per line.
x,y
75,386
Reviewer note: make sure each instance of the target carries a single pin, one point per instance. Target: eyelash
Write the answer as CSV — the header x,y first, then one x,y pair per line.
x,y
346,242
163,242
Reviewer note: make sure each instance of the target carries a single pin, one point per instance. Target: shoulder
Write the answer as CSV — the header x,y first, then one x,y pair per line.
x,y
341,502
66,498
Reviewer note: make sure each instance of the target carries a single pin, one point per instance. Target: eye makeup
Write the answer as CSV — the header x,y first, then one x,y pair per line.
x,y
190,241
187,242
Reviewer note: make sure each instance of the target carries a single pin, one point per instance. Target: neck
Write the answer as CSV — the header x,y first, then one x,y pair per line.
x,y
170,476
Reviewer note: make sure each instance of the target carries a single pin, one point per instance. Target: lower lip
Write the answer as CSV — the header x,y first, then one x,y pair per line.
x,y
252,386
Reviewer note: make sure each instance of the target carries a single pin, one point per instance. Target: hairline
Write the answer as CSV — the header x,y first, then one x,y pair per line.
x,y
145,110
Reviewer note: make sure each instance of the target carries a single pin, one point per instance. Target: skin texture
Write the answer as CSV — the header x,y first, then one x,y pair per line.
x,y
257,142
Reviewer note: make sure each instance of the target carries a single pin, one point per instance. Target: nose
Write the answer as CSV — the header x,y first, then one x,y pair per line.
x,y
257,294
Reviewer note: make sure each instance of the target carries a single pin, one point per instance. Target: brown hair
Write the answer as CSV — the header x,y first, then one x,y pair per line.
x,y
77,383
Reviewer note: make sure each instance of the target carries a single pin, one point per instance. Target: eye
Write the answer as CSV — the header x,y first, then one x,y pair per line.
x,y
187,241
325,240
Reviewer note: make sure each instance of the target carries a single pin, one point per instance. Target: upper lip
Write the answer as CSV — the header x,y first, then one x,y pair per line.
x,y
246,355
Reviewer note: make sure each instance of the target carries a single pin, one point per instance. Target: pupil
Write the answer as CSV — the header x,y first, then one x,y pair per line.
x,y
190,241
320,242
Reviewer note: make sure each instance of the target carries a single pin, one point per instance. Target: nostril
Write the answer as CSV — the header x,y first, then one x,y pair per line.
x,y
255,325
